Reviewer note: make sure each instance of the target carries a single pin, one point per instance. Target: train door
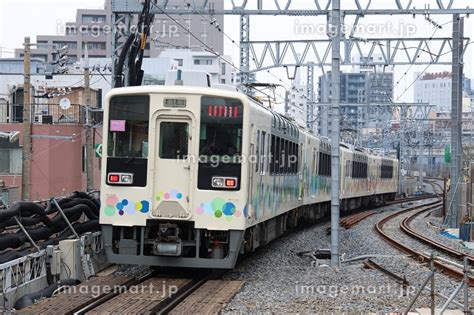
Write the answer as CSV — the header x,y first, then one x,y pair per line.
x,y
173,167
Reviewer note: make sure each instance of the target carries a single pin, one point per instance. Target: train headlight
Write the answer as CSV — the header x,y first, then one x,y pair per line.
x,y
114,178
218,182
224,182
230,182
126,179
120,178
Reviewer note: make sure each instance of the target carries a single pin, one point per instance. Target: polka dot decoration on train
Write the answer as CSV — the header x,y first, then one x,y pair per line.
x,y
219,208
123,207
172,195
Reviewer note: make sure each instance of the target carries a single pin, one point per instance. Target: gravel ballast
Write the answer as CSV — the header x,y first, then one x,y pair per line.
x,y
278,280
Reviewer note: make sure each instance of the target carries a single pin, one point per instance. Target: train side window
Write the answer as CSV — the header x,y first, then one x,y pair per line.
x,y
267,153
278,155
329,165
263,154
174,140
288,156
291,157
320,163
294,165
313,166
326,164
298,157
257,152
273,157
283,157
323,164
317,163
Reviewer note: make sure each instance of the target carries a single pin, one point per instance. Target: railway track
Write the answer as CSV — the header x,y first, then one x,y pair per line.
x,y
205,293
409,199
404,225
351,220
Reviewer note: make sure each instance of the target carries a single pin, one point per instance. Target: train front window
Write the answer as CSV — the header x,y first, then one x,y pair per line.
x,y
221,129
128,126
174,138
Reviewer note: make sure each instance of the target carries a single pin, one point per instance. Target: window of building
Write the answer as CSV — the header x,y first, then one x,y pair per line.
x,y
95,45
43,57
71,29
72,58
180,62
83,158
10,161
42,44
70,45
223,68
203,61
93,18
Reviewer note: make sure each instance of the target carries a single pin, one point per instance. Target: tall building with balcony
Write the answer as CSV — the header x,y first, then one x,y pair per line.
x,y
360,94
94,29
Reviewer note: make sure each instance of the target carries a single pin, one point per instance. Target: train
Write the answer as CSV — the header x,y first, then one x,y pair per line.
x,y
193,177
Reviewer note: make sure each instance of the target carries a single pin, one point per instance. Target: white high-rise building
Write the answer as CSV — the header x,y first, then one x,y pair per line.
x,y
297,103
435,89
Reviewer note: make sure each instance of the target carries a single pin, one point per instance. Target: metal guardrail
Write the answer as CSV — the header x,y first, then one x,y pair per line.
x,y
27,274
22,271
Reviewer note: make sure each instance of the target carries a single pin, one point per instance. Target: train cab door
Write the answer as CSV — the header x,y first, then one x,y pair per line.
x,y
172,181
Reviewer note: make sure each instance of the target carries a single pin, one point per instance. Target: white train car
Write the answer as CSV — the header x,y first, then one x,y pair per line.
x,y
191,177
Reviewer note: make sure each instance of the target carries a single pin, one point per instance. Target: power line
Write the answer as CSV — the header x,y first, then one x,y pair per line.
x,y
424,70
219,28
208,48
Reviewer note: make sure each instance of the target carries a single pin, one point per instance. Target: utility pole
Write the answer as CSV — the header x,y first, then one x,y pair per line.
x,y
420,132
335,34
310,120
26,165
244,52
89,126
452,218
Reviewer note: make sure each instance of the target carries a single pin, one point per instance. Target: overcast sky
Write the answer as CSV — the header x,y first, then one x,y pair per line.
x,y
19,18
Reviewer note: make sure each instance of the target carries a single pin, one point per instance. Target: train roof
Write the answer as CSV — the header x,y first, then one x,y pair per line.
x,y
174,89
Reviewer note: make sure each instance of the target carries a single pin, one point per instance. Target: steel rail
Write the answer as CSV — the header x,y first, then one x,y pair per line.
x,y
379,227
83,309
405,226
174,301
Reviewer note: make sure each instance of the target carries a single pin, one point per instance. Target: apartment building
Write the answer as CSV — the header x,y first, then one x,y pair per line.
x,y
94,29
